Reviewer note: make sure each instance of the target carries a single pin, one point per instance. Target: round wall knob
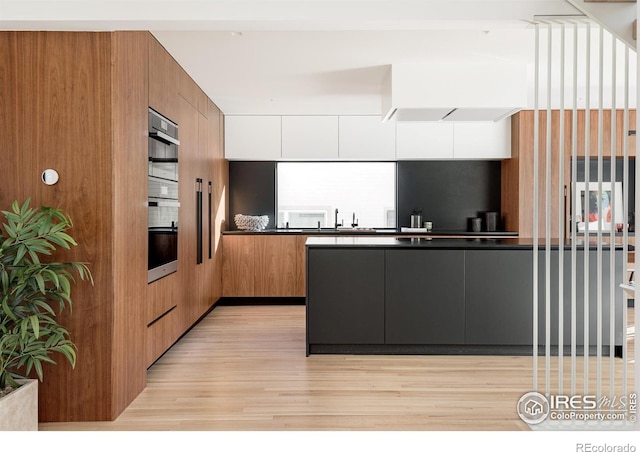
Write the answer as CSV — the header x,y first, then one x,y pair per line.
x,y
50,176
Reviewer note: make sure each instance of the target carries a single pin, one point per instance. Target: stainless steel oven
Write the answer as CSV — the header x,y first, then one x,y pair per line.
x,y
163,196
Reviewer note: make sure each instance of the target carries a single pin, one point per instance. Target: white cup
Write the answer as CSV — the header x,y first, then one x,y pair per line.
x,y
428,226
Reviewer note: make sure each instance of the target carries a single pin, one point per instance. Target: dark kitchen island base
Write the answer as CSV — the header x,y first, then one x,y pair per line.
x,y
493,350
448,296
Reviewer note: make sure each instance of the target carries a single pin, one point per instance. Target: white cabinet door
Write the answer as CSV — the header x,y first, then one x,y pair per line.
x,y
424,140
310,137
482,140
252,137
366,138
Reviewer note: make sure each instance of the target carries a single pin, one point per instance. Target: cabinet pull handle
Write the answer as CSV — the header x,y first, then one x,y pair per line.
x,y
161,136
198,221
209,215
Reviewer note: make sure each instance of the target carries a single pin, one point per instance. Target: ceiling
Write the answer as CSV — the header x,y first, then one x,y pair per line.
x,y
303,56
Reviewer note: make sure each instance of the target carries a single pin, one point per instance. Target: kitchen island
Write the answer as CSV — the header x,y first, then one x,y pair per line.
x,y
448,295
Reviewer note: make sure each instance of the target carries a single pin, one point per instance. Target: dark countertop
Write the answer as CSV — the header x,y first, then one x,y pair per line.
x,y
442,243
366,232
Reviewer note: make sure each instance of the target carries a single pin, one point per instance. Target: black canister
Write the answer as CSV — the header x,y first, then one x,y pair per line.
x,y
475,224
491,221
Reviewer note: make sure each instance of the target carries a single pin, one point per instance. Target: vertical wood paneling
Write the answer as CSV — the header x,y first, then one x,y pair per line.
x,y
517,196
510,180
60,104
301,266
188,171
220,193
205,169
130,156
77,103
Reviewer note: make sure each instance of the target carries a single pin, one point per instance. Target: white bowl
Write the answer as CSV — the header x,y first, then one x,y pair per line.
x,y
251,222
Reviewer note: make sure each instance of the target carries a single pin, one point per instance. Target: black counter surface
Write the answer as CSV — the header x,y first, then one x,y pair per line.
x,y
443,243
374,232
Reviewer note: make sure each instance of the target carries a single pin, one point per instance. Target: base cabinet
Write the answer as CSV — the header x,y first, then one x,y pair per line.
x,y
346,305
263,265
424,297
452,300
499,287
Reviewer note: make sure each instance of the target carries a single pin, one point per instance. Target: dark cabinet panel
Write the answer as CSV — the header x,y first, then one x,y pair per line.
x,y
592,301
424,297
499,287
345,296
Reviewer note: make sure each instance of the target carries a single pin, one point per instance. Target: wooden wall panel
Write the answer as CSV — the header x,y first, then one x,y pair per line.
x,y
238,266
61,90
301,266
188,169
517,177
220,193
510,183
130,157
205,170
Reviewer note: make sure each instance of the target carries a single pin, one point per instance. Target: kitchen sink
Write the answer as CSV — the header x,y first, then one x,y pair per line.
x,y
356,230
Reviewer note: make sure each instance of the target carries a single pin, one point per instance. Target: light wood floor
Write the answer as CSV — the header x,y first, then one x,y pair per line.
x,y
244,368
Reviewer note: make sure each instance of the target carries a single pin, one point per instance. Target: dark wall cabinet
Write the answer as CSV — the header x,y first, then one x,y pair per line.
x,y
346,300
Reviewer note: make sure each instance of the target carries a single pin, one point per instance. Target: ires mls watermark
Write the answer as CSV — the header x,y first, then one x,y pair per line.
x,y
534,408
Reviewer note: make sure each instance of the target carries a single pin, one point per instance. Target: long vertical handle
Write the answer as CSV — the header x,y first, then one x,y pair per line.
x,y
209,215
198,221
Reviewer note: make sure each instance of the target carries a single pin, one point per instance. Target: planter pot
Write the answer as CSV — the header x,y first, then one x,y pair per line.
x,y
19,409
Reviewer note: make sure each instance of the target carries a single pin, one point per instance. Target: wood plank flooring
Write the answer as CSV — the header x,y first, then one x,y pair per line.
x,y
244,368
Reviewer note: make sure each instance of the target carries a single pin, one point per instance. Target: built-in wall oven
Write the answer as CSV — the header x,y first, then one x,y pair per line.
x,y
163,196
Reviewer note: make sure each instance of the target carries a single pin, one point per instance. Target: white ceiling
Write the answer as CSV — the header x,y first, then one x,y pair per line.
x,y
303,56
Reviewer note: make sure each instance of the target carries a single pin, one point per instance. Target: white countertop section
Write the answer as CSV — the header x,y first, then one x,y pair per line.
x,y
351,241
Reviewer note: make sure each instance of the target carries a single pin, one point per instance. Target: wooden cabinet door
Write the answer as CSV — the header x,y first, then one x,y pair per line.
x,y
188,162
238,265
163,81
275,266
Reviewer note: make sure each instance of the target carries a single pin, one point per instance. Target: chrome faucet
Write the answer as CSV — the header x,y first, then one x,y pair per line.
x,y
336,220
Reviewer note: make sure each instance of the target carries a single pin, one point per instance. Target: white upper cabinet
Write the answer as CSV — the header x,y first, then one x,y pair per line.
x,y
363,138
424,140
310,137
366,138
252,137
482,140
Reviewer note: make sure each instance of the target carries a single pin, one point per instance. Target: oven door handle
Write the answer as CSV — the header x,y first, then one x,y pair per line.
x,y
164,204
161,136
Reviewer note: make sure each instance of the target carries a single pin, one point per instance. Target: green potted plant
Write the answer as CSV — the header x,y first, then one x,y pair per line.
x,y
33,290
